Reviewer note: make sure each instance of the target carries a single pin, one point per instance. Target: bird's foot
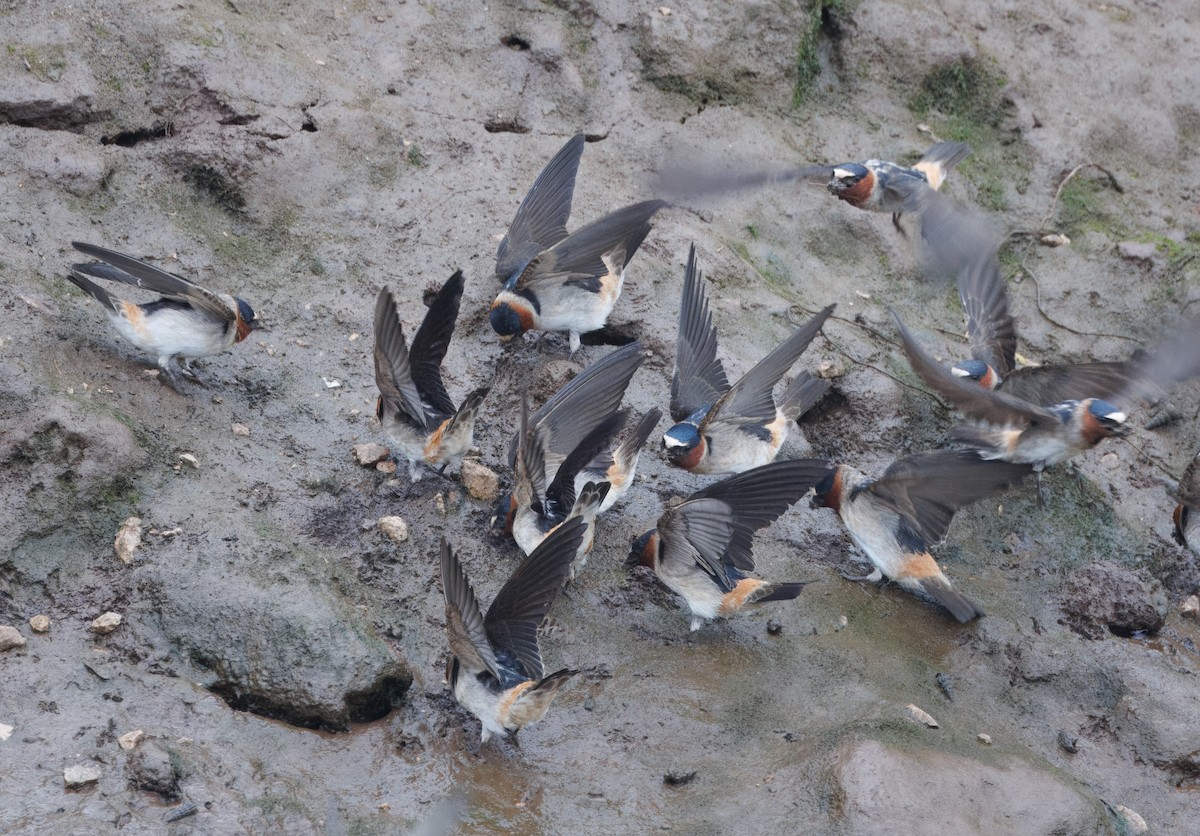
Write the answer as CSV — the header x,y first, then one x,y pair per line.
x,y
874,576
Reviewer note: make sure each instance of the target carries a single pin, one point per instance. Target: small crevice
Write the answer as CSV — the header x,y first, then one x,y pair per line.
x,y
516,42
608,335
136,136
240,119
595,137
505,126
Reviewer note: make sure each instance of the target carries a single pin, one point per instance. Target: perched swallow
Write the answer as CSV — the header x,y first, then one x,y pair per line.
x,y
568,417
495,668
1016,430
541,219
703,547
728,429
992,333
573,285
897,518
187,322
1187,513
413,406
539,508
880,186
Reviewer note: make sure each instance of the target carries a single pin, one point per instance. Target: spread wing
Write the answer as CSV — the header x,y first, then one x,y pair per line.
x,y
927,489
1049,385
393,374
560,495
541,219
691,179
751,399
699,379
522,603
576,409
990,326
430,343
992,407
464,622
578,261
1189,485
124,268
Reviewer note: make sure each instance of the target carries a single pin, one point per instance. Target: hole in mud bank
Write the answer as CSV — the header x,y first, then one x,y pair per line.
x,y
308,125
505,126
609,335
516,42
128,139
239,120
834,403
595,137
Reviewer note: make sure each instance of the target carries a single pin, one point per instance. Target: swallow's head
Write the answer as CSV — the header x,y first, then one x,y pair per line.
x,y
1103,420
511,317
978,371
247,320
644,550
828,492
851,182
501,523
684,445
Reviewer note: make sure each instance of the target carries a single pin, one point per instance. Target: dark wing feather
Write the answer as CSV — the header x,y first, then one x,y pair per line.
x,y
560,495
1049,385
690,179
576,409
698,531
927,489
1174,359
541,219
140,274
430,343
529,469
973,400
699,379
990,326
522,603
751,399
1189,484
721,520
579,258
464,622
393,375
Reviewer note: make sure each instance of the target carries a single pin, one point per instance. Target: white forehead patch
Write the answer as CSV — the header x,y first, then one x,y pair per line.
x,y
842,173
668,441
957,372
1119,417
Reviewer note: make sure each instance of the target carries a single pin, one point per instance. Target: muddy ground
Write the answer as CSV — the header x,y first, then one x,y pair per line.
x,y
302,156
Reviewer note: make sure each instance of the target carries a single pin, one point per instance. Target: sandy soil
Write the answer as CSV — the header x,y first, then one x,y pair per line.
x,y
302,156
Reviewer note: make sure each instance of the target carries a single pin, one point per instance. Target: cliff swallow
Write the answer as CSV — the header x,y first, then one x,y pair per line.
x,y
703,547
187,322
413,406
495,668
728,429
1187,513
574,285
568,417
618,466
898,517
992,333
880,186
541,219
1012,429
540,505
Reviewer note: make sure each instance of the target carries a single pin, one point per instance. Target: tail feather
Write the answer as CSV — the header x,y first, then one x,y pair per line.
x,y
802,394
91,288
779,591
940,159
469,408
627,453
590,499
940,592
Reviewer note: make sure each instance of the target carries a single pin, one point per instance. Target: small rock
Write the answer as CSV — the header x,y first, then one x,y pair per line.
x,y
386,466
921,716
5,731
589,704
985,738
1191,607
1137,250
439,503
187,808
395,528
480,481
1069,743
153,771
944,682
40,624
331,383
1110,460
774,628
843,622
75,777
1134,823
370,453
128,539
130,740
10,637
1055,239
190,460
106,623
240,430
829,369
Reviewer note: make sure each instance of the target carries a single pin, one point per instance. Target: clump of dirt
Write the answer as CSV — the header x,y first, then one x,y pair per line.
x,y
1104,598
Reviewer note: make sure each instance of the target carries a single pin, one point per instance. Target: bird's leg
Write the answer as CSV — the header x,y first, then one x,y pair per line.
x,y
574,342
171,374
513,737
896,223
1041,496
